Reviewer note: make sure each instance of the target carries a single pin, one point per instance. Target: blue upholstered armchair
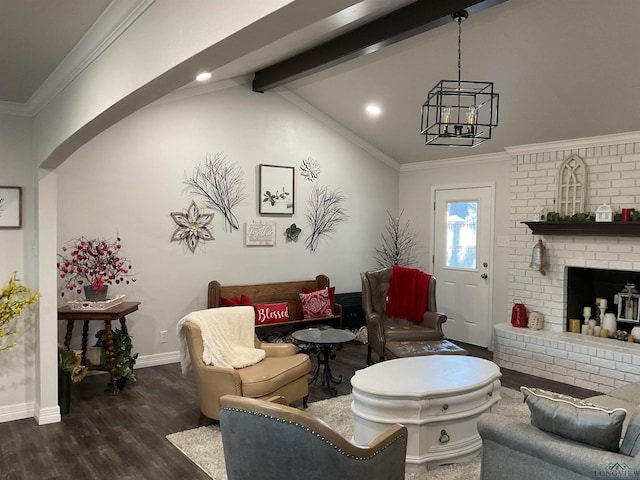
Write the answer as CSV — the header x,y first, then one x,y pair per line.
x,y
268,441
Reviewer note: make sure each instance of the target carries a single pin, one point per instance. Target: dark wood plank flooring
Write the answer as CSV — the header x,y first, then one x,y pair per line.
x,y
123,437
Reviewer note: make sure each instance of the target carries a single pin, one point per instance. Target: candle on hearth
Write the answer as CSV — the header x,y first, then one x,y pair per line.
x,y
586,311
584,329
603,303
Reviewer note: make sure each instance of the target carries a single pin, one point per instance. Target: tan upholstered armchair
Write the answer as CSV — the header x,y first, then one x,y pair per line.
x,y
267,441
381,329
282,372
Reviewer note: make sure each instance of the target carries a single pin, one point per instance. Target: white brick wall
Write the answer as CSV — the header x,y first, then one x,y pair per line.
x,y
613,166
613,170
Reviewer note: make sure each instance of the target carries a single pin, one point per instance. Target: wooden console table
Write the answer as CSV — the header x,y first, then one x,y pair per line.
x,y
117,312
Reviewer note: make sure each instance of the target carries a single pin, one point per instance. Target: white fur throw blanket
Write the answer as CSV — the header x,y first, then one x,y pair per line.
x,y
228,337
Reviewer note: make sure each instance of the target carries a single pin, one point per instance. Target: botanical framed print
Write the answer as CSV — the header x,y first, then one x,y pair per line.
x,y
276,190
10,207
260,232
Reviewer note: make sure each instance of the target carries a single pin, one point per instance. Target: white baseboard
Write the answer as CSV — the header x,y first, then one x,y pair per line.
x,y
157,359
19,411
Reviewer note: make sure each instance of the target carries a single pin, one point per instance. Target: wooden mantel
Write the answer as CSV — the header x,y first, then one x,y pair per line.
x,y
614,229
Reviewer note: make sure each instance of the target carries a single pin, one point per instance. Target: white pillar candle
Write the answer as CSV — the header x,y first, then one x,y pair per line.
x,y
584,329
586,311
596,331
603,303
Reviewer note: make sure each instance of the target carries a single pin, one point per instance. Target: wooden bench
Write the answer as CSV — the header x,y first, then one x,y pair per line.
x,y
277,293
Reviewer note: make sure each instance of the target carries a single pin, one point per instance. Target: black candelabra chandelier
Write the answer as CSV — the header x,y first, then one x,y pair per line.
x,y
459,113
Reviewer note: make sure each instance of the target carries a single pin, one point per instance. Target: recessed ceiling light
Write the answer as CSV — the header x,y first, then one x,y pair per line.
x,y
203,77
373,110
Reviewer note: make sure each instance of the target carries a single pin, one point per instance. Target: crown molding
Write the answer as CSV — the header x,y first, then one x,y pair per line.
x,y
576,143
337,127
113,22
457,162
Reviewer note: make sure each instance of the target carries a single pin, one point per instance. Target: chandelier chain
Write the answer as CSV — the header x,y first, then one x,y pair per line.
x,y
459,47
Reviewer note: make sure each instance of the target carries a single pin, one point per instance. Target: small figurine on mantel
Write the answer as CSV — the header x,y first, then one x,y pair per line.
x,y
604,213
539,214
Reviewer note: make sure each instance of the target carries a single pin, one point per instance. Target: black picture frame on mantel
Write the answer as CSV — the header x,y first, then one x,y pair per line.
x,y
276,190
609,229
10,207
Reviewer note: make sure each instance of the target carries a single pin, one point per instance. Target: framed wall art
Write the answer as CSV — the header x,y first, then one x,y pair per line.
x,y
260,232
276,190
10,207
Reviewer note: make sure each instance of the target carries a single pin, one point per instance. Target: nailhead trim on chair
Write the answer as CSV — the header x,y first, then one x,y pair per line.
x,y
335,447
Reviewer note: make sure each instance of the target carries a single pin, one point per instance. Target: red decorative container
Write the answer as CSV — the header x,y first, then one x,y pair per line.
x,y
519,315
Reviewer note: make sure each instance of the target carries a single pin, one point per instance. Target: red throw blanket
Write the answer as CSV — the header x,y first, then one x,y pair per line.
x,y
408,294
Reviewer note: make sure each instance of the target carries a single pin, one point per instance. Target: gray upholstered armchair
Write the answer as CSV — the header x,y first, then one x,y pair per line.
x,y
381,329
267,441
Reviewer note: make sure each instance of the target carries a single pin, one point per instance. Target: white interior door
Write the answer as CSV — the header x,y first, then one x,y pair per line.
x,y
463,232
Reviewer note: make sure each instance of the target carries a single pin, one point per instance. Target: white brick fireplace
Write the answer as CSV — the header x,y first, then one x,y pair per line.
x,y
613,170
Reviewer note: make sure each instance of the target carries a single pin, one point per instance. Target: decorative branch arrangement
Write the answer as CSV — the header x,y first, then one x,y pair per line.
x,y
219,183
324,213
310,169
192,226
397,245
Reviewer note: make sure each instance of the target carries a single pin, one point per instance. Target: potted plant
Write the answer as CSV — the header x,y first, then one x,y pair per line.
x,y
70,370
13,299
93,265
125,360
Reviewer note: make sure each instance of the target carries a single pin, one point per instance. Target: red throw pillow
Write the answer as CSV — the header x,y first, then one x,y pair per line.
x,y
332,293
316,304
271,313
235,301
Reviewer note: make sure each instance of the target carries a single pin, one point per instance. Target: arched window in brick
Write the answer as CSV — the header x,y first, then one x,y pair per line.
x,y
572,186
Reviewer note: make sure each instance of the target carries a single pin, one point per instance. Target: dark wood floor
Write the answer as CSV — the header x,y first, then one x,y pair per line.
x,y
123,437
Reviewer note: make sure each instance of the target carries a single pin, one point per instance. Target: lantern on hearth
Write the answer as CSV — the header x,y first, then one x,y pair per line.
x,y
628,300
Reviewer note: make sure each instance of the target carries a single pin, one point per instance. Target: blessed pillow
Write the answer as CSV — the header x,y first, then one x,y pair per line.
x,y
316,304
575,419
235,301
271,313
332,293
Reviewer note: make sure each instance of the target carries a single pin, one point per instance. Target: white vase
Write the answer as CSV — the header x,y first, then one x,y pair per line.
x,y
609,322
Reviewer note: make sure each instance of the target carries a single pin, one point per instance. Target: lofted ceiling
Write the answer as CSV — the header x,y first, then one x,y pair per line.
x,y
564,69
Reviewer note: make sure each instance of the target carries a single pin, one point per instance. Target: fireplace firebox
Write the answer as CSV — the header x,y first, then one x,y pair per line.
x,y
584,285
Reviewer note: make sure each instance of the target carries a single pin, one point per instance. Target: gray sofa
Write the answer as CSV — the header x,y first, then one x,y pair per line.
x,y
513,449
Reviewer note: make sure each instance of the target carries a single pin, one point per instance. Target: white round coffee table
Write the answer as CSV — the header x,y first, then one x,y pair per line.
x,y
438,398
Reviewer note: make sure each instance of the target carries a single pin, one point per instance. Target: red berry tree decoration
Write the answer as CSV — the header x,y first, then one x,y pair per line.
x,y
93,262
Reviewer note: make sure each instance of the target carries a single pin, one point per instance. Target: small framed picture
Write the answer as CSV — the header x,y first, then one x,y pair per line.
x,y
10,207
276,190
260,232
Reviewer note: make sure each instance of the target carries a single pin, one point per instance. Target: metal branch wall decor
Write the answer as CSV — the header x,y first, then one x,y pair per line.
x,y
219,183
192,226
324,213
397,245
310,169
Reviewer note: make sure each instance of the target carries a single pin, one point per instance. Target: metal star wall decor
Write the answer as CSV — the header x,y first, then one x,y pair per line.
x,y
192,226
310,169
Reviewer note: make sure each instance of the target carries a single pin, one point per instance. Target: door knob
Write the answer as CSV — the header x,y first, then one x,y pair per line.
x,y
484,275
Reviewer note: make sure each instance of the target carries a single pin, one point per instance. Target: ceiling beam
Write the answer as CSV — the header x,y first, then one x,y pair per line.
x,y
413,19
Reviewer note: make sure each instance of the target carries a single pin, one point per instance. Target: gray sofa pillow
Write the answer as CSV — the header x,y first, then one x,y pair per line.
x,y
575,419
631,442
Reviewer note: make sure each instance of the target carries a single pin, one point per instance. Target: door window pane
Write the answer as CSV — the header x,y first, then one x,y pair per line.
x,y
461,234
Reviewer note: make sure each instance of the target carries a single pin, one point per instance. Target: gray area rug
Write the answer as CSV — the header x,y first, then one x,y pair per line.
x,y
203,446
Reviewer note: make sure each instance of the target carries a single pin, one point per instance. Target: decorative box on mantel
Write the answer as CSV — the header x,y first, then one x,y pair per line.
x,y
539,214
604,213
